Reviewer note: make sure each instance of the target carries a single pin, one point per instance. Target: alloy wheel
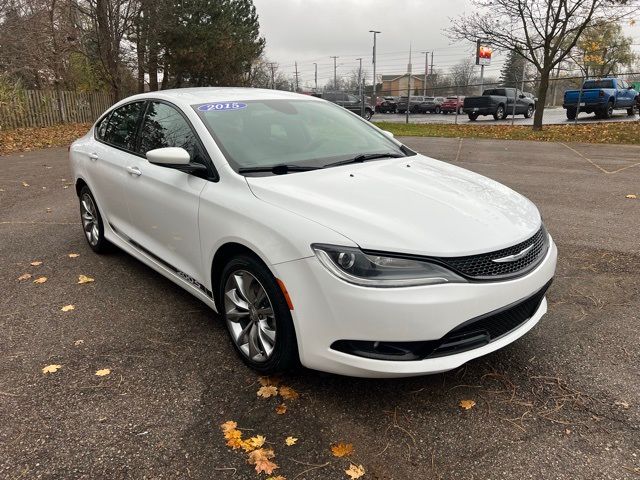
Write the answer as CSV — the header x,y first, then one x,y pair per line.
x,y
250,316
89,215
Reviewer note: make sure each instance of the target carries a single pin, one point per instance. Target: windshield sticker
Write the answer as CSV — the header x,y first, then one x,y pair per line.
x,y
221,106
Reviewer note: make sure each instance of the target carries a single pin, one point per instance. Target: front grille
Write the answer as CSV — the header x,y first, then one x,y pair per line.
x,y
472,334
482,267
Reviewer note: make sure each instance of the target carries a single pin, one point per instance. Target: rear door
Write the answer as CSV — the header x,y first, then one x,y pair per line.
x,y
163,201
113,149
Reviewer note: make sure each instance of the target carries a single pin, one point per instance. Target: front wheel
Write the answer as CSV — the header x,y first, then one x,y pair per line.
x,y
92,222
437,110
500,113
257,316
608,111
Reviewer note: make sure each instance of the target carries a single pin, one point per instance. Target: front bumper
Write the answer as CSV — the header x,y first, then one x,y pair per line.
x,y
327,309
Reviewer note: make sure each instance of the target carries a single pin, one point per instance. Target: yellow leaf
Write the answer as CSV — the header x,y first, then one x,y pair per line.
x,y
24,276
257,441
467,404
73,255
25,184
342,449
281,409
40,280
228,426
290,441
84,279
51,368
267,391
267,381
631,195
288,393
35,263
354,471
104,372
68,308
261,458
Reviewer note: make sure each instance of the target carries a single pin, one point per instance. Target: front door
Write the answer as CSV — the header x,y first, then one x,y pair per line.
x,y
163,202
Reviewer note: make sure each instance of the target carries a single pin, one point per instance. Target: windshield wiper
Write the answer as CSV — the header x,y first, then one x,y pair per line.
x,y
363,158
281,169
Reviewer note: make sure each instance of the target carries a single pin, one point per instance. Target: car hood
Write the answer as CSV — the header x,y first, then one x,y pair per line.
x,y
415,205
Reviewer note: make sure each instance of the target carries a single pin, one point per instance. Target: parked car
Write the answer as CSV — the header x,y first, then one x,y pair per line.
x,y
430,105
602,97
317,237
451,104
499,103
415,101
387,104
350,102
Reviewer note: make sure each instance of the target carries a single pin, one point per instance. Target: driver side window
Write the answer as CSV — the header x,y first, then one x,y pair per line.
x,y
163,126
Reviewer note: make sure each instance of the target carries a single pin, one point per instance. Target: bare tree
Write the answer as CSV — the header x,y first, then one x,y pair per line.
x,y
542,31
463,74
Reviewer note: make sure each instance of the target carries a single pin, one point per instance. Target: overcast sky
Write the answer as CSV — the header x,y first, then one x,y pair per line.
x,y
310,31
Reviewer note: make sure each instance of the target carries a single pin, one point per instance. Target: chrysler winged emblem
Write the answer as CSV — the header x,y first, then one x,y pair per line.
x,y
514,257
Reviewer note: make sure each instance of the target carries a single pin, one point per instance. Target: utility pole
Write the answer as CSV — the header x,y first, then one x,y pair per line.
x,y
426,71
431,74
272,67
359,77
373,97
335,72
296,74
316,76
408,87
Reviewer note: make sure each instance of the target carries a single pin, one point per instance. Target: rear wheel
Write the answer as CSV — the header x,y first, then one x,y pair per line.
x,y
368,114
437,109
607,112
500,113
257,316
473,116
571,113
631,111
92,222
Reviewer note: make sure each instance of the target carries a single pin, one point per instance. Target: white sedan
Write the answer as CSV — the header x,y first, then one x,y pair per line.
x,y
319,238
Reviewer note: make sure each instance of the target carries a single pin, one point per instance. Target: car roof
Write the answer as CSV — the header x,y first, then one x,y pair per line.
x,y
190,96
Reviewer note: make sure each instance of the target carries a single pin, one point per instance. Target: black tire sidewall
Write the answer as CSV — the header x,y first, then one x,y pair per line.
x,y
103,244
285,354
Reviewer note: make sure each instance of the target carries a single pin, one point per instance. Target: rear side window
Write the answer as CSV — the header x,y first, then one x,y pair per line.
x,y
598,84
122,126
101,128
163,126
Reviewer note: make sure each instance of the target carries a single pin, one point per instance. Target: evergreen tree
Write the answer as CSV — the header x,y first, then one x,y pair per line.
x,y
511,72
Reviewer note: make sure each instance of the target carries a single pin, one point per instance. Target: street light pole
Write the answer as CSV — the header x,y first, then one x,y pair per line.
x,y
426,70
373,96
335,73
316,76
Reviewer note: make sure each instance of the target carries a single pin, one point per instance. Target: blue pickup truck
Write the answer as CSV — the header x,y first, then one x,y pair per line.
x,y
601,96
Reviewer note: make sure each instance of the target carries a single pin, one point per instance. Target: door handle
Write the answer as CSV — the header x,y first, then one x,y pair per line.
x,y
93,156
134,171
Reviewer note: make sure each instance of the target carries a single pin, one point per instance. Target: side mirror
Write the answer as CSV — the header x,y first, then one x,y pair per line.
x,y
169,156
388,133
630,87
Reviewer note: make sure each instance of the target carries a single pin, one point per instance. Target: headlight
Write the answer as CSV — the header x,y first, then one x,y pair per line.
x,y
355,266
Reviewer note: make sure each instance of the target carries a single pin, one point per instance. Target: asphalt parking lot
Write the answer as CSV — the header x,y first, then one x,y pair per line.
x,y
560,403
552,116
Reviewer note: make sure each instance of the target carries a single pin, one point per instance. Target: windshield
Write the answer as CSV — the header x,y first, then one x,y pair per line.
x,y
265,133
598,84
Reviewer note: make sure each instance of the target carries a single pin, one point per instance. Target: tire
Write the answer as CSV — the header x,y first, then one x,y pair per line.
x,y
271,345
500,114
460,111
571,113
607,112
92,224
368,114
437,109
529,112
631,111
473,116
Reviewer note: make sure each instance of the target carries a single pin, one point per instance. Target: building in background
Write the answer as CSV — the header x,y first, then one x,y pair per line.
x,y
398,85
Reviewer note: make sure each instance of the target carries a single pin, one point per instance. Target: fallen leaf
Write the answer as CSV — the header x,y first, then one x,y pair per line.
x,y
288,393
73,255
40,280
25,184
234,439
279,477
267,381
24,276
261,458
84,279
78,342
51,368
289,441
631,195
281,409
354,471
257,441
228,426
622,404
267,391
467,404
342,449
35,263
68,308
104,372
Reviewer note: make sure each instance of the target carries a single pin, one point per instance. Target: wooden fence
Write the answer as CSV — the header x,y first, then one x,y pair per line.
x,y
43,108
